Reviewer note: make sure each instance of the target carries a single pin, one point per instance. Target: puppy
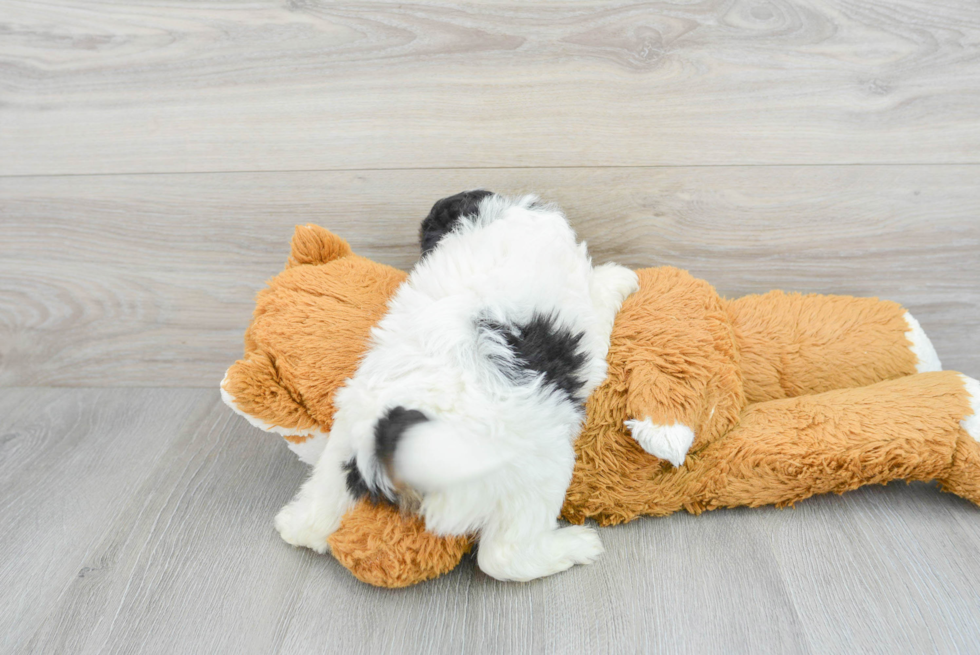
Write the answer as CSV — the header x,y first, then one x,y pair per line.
x,y
467,404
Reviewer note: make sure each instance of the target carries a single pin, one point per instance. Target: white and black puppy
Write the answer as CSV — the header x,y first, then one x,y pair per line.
x,y
467,404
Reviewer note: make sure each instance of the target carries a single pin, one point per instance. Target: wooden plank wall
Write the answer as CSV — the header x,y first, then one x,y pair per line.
x,y
150,86
155,156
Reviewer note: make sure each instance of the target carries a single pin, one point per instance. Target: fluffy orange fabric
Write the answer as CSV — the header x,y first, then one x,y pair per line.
x,y
792,344
388,549
789,396
308,332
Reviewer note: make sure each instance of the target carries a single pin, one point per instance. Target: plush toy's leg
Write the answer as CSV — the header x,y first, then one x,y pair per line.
x,y
315,513
793,345
386,548
919,427
963,478
675,351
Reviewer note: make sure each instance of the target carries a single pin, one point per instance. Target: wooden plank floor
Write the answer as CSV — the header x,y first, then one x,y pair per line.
x,y
154,157
139,520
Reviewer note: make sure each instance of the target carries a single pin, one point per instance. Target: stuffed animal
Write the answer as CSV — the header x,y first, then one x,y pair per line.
x,y
788,395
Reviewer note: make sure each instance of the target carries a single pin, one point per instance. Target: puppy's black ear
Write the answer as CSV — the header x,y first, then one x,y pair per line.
x,y
446,214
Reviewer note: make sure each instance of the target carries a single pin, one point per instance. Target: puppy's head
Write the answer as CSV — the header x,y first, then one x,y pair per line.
x,y
446,215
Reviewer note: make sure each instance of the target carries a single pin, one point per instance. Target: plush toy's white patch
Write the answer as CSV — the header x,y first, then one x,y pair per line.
x,y
669,442
308,451
972,423
928,360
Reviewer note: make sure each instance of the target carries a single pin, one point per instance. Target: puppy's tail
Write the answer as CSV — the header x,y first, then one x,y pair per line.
x,y
432,454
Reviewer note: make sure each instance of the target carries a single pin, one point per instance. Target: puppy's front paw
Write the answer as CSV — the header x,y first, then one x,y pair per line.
x,y
616,283
548,553
578,544
302,523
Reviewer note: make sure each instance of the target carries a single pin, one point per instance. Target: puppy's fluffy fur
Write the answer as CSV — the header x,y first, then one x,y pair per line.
x,y
466,406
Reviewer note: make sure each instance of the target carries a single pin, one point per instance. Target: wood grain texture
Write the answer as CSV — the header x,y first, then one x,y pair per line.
x,y
178,86
71,465
150,279
150,531
154,157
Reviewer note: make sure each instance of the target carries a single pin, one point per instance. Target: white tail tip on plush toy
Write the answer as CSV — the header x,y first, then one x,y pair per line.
x,y
669,442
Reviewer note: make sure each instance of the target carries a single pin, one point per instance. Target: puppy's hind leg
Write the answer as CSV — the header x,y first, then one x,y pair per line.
x,y
315,512
521,539
521,553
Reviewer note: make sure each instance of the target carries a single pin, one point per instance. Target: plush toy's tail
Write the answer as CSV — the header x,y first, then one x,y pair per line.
x,y
920,427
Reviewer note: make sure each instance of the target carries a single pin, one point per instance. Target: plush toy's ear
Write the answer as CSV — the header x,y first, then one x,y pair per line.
x,y
314,245
385,548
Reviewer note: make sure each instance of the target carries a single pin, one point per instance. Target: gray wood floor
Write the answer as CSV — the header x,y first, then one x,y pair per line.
x,y
139,520
155,155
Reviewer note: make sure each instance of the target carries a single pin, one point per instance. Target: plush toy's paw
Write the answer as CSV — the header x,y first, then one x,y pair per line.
x,y
926,358
549,553
972,423
306,523
669,442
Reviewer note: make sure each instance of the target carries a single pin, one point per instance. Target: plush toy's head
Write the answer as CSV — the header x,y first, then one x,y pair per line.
x,y
309,331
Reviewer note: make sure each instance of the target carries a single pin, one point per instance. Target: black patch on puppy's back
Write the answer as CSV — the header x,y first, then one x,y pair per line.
x,y
543,347
445,216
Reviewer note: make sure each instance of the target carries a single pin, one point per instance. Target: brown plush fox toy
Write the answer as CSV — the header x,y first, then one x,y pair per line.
x,y
789,396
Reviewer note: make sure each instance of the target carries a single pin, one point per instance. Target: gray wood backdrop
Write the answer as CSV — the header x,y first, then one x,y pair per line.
x,y
155,156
